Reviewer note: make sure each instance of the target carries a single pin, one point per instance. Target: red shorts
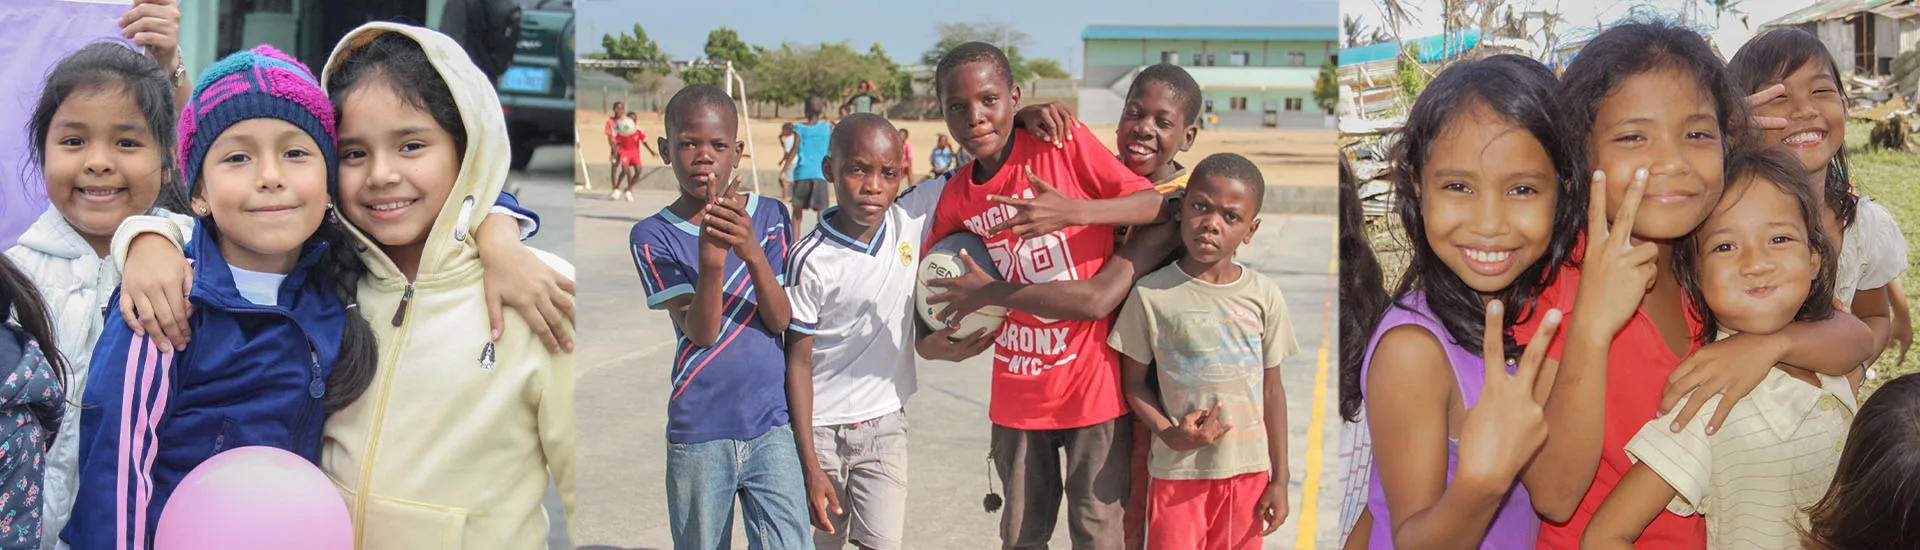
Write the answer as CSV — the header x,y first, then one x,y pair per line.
x,y
630,158
1205,514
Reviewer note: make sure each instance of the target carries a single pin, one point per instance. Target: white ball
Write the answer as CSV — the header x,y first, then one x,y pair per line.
x,y
943,261
625,126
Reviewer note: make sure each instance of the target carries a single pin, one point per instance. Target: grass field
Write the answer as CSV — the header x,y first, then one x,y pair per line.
x,y
1888,177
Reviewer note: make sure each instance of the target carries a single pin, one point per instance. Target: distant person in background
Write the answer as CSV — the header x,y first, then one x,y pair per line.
x,y
788,140
489,30
866,99
810,189
630,138
613,145
941,157
906,157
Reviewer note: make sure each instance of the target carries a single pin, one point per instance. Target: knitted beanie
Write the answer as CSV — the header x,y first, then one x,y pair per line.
x,y
257,83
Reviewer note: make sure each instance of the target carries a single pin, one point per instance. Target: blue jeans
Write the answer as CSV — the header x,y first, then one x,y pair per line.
x,y
703,478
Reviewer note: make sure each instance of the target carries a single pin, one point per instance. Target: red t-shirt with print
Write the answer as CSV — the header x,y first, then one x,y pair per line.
x,y
1638,363
1047,373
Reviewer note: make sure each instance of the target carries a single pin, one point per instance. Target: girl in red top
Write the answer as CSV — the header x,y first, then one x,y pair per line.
x,y
1655,112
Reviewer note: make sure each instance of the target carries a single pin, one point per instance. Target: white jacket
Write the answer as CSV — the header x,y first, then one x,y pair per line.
x,y
76,284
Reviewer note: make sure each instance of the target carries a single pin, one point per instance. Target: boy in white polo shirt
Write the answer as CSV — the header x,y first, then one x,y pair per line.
x,y
853,337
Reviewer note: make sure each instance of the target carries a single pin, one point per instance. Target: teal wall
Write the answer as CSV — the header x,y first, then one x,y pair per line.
x,y
199,27
1268,54
1222,100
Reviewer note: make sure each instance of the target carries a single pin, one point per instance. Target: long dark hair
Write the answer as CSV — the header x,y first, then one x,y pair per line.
x,y
1363,292
1768,165
1521,91
1874,501
1623,52
397,61
18,294
1772,56
102,65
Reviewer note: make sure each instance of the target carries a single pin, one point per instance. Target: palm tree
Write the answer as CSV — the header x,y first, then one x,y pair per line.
x,y
1355,30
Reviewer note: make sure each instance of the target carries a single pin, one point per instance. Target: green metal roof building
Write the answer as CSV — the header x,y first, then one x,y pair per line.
x,y
1249,76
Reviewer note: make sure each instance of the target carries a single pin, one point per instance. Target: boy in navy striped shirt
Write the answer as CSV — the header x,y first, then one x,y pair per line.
x,y
714,261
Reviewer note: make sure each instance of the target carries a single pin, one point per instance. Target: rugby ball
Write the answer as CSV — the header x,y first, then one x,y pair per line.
x,y
943,261
625,126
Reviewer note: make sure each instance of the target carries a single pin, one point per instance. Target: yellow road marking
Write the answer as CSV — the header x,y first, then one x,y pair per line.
x,y
1308,523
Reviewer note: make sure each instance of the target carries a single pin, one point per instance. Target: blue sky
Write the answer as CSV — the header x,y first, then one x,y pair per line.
x,y
907,28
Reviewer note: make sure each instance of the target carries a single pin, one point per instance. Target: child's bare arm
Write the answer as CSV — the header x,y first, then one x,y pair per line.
x,y
1140,397
1273,507
517,278
155,282
1640,497
1050,211
1874,307
701,318
1902,319
1407,402
821,497
1735,366
1093,298
728,222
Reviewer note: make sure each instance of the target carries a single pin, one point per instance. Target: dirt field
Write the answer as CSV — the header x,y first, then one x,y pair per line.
x,y
1290,158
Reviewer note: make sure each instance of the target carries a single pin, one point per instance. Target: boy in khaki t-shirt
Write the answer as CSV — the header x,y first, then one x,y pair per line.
x,y
1217,332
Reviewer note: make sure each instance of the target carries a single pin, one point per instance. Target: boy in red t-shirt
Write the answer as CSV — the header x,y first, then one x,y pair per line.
x,y
1056,384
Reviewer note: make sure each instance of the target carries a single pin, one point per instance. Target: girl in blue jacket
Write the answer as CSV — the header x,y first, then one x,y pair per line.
x,y
275,346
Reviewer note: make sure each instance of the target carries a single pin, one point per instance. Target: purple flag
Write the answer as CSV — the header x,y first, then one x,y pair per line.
x,y
39,34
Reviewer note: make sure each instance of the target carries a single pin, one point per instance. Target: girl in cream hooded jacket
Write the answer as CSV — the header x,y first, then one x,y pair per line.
x,y
454,443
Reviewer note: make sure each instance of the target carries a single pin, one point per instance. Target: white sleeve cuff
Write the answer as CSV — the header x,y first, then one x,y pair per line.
x,y
133,226
527,225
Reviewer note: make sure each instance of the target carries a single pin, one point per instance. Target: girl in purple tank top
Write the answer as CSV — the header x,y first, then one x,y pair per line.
x,y
1481,178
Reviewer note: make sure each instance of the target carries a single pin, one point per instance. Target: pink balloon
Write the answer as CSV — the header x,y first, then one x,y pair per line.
x,y
255,497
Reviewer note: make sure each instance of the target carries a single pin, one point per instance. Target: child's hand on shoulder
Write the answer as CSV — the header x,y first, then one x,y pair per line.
x,y
1048,211
154,289
1729,368
1051,122
542,296
1198,429
1271,510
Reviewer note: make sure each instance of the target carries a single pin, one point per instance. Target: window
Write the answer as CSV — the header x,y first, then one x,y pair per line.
x,y
1297,59
1209,60
1237,103
1237,59
1170,57
1294,104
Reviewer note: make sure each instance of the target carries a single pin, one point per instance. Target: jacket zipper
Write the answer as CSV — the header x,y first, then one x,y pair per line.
x,y
363,487
400,314
316,389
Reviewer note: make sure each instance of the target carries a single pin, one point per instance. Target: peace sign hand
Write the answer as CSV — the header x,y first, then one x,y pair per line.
x,y
1761,98
1507,425
1048,211
1617,273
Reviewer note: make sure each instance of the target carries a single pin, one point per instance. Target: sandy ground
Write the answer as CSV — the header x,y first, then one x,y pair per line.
x,y
1286,157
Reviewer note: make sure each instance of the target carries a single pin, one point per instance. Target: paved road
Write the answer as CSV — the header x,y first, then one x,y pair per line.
x,y
546,187
626,354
